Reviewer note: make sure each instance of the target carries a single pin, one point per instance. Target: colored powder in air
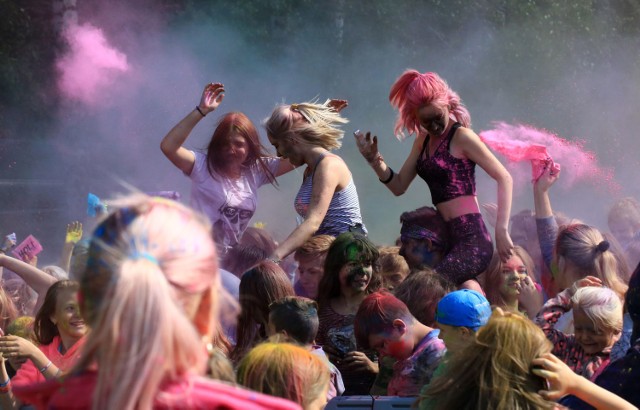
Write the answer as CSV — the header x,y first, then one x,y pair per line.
x,y
521,142
90,65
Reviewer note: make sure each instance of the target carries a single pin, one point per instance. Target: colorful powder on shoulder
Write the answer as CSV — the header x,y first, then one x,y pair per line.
x,y
521,142
90,66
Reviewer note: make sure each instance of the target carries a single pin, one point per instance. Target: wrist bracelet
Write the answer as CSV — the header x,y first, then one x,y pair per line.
x,y
5,383
386,181
200,111
46,366
275,260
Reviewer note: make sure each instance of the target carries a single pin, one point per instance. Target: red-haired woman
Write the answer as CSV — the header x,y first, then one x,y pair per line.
x,y
444,154
226,178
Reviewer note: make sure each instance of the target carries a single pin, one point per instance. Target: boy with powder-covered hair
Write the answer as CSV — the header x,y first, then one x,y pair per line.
x,y
385,324
296,319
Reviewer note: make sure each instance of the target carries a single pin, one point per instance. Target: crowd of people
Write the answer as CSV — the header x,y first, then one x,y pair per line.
x,y
167,305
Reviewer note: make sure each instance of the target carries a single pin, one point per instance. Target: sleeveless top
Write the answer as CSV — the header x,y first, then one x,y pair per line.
x,y
448,177
344,208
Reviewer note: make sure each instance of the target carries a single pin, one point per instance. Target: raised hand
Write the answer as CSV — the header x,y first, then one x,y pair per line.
x,y
367,146
74,232
211,97
550,174
338,105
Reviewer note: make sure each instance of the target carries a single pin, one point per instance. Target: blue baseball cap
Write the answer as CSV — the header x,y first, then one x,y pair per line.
x,y
463,307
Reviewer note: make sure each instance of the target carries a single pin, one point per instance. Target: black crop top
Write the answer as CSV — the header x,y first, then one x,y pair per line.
x,y
448,177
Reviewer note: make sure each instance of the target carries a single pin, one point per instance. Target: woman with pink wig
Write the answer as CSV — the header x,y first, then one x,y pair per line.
x,y
444,154
150,292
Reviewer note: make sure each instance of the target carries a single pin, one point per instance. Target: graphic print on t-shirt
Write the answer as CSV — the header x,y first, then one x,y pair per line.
x,y
234,217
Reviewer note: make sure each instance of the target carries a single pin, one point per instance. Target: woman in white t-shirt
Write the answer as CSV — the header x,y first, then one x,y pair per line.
x,y
226,178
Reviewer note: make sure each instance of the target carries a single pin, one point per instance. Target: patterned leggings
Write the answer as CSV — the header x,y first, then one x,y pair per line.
x,y
471,249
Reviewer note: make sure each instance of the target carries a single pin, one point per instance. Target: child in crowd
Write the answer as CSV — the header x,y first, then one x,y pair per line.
x,y
296,318
310,257
459,316
288,371
391,267
385,324
421,291
597,314
511,285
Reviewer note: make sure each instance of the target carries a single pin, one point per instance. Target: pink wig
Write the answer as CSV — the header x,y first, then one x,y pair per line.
x,y
413,90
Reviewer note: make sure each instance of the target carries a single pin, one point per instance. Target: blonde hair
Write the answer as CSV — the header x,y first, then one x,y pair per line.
x,y
149,294
601,305
284,370
315,247
494,371
313,123
8,310
588,250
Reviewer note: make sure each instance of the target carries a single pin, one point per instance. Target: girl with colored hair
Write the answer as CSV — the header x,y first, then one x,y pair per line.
x,y
150,293
511,284
494,371
348,278
327,201
225,179
288,371
59,331
259,287
444,154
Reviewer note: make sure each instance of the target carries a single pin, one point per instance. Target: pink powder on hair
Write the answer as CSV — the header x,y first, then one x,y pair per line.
x,y
521,142
90,65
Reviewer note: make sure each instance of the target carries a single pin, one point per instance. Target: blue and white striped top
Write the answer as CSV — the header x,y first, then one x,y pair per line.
x,y
343,212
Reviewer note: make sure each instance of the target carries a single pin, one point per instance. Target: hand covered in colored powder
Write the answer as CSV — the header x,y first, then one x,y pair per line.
x,y
549,172
338,105
212,96
74,232
531,297
9,242
359,361
584,282
367,146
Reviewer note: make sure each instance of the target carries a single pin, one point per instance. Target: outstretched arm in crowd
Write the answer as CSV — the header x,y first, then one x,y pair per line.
x,y
36,279
563,381
171,144
395,182
74,234
545,221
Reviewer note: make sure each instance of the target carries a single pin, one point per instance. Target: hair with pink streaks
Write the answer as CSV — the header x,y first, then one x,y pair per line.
x,y
149,294
413,90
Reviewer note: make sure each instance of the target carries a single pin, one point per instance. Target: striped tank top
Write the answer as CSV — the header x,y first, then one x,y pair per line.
x,y
343,212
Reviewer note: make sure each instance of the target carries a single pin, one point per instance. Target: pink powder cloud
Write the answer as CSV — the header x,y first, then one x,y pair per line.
x,y
521,142
90,65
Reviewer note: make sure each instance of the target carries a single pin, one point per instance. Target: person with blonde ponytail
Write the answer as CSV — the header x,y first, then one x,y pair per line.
x,y
445,153
327,201
150,293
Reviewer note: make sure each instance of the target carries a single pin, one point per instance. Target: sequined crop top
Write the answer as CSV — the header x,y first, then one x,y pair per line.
x,y
448,177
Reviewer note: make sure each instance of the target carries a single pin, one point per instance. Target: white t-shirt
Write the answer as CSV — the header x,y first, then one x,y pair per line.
x,y
228,203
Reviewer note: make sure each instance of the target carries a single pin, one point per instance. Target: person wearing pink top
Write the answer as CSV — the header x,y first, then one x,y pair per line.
x,y
150,294
60,331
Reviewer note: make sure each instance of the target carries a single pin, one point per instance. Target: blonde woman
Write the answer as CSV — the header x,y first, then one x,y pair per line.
x,y
149,292
327,201
288,371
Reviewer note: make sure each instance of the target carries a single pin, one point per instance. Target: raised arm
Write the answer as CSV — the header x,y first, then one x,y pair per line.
x,y
562,381
474,149
326,179
38,280
171,144
545,221
396,182
74,234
